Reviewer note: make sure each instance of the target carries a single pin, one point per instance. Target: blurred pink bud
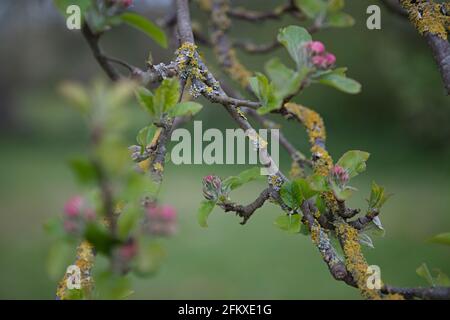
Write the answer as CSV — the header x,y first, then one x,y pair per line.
x,y
89,214
72,207
168,212
330,59
128,250
340,174
127,3
319,61
70,226
316,47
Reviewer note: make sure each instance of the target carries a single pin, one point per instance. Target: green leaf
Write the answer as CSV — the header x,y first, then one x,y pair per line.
x,y
340,81
150,257
265,92
143,24
75,94
335,5
354,162
146,100
100,238
441,279
285,81
138,186
341,193
289,223
377,196
340,20
318,183
111,286
442,238
128,219
167,95
188,108
242,178
293,38
311,8
59,257
145,135
84,171
293,193
206,207
424,272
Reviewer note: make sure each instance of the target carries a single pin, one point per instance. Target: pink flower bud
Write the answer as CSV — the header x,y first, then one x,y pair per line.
x,y
340,174
316,47
127,3
168,212
319,61
128,250
330,59
73,206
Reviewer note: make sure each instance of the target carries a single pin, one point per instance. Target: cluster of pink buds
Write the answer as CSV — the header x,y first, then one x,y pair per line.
x,y
340,175
160,220
121,3
213,189
319,57
76,214
124,254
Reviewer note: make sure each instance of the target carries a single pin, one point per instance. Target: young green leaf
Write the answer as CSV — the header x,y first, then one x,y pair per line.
x,y
128,220
145,135
341,193
289,223
244,177
424,272
143,24
167,95
188,108
339,20
354,162
146,100
84,171
377,196
293,193
318,183
293,38
149,259
285,81
341,82
442,238
311,8
206,207
265,92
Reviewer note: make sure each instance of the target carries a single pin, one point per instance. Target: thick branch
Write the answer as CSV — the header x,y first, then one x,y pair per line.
x,y
431,293
247,211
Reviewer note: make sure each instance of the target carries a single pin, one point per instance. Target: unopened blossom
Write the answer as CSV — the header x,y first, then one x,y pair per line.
x,y
316,47
212,187
340,174
318,57
73,206
161,220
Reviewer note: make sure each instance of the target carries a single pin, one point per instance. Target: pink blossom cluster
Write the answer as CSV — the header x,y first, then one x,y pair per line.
x,y
320,58
340,174
76,214
161,220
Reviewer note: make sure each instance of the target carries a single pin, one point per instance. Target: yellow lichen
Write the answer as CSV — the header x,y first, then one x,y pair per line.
x,y
427,17
158,167
296,171
84,261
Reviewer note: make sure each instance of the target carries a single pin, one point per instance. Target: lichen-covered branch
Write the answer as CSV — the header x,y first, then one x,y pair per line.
x,y
432,21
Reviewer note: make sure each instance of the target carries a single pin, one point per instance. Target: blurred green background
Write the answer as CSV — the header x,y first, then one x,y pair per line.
x,y
401,117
